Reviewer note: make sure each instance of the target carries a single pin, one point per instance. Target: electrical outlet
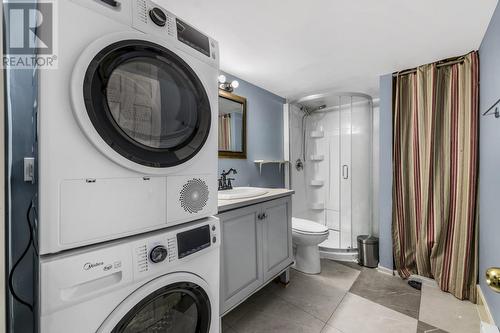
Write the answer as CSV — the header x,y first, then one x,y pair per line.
x,y
29,169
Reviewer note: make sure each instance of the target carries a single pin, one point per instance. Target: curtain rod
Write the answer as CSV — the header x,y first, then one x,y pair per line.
x,y
440,64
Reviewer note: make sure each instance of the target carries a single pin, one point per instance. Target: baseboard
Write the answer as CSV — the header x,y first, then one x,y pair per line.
x,y
487,328
483,308
386,270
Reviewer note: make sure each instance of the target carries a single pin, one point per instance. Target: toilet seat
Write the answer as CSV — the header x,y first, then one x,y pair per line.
x,y
308,227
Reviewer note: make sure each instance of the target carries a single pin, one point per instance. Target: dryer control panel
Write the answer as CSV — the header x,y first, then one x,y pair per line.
x,y
150,18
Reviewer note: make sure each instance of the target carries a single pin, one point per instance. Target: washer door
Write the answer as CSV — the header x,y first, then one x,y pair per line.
x,y
146,103
174,307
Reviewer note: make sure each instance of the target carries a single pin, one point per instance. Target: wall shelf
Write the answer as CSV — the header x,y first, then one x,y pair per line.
x,y
260,163
317,134
496,112
317,182
317,158
317,206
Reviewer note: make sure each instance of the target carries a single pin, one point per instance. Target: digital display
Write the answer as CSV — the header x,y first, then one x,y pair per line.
x,y
192,241
192,37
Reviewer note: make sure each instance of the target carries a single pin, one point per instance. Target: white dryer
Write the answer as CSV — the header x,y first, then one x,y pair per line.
x,y
165,281
127,124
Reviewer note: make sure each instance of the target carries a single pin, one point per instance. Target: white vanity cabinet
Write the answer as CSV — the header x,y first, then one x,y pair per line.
x,y
256,247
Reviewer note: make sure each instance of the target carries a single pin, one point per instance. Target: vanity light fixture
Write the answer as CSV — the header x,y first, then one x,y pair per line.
x,y
227,86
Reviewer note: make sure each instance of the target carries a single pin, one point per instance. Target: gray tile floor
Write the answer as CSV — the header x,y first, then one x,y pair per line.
x,y
346,298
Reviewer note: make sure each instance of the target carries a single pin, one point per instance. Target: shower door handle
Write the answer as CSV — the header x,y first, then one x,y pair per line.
x,y
345,171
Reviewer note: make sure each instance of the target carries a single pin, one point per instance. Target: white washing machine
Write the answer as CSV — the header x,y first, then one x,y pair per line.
x,y
127,125
164,281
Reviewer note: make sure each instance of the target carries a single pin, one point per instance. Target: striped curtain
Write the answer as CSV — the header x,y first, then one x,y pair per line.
x,y
435,179
225,132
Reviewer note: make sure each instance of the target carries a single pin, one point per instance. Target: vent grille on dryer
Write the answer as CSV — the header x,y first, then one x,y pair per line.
x,y
194,195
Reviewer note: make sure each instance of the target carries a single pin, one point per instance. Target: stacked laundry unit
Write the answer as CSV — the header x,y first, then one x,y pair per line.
x,y
128,173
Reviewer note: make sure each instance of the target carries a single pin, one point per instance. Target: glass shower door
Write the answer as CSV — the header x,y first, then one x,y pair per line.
x,y
345,173
354,157
361,170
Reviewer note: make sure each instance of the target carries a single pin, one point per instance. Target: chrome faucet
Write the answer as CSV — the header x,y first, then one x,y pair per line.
x,y
224,181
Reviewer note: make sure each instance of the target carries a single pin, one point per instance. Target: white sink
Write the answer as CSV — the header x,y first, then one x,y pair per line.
x,y
241,193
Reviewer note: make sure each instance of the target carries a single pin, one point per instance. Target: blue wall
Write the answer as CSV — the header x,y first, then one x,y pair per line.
x,y
22,91
489,161
21,96
264,137
385,172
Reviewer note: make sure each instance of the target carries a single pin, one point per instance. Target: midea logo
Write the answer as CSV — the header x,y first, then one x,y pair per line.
x,y
90,265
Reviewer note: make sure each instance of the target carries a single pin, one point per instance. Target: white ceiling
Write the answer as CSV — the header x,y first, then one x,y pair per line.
x,y
294,47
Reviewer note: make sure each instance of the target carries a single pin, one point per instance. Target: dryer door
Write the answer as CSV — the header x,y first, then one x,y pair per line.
x,y
164,306
147,103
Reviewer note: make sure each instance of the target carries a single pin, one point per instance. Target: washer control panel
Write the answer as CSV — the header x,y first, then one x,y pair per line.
x,y
169,248
192,241
158,254
158,16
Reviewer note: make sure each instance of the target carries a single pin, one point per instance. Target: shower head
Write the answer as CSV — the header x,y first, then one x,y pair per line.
x,y
321,107
308,111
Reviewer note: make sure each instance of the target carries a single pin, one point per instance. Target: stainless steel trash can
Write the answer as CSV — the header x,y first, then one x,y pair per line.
x,y
368,251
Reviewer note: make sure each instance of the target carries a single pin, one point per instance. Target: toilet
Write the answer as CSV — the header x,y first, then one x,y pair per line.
x,y
306,236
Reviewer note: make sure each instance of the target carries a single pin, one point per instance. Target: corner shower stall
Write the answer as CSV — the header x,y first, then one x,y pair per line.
x,y
330,139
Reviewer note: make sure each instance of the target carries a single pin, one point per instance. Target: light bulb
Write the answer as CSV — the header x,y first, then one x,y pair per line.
x,y
222,78
235,84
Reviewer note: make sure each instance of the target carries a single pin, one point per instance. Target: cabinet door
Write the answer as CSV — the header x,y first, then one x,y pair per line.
x,y
241,255
277,236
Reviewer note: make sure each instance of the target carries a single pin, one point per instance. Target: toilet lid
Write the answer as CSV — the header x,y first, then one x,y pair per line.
x,y
308,226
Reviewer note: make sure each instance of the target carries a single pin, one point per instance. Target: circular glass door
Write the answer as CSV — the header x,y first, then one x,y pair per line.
x,y
147,103
178,308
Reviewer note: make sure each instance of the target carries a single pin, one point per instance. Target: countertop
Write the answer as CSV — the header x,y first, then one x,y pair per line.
x,y
273,193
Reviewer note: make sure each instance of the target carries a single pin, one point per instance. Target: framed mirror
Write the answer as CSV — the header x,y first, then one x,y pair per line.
x,y
232,125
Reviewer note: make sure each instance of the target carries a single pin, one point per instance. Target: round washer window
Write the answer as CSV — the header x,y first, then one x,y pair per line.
x,y
178,308
147,103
